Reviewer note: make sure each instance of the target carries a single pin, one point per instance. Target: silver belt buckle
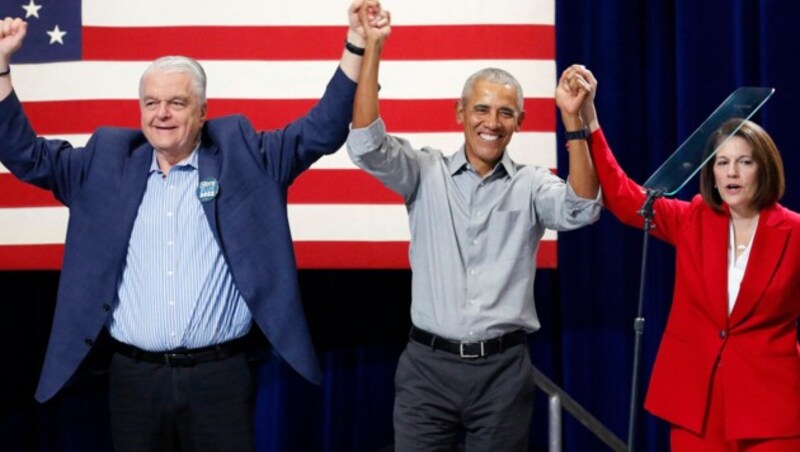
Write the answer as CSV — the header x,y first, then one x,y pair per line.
x,y
464,355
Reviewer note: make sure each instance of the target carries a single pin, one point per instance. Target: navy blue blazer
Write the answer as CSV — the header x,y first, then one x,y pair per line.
x,y
103,184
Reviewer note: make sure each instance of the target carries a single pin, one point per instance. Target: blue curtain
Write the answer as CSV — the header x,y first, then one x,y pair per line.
x,y
663,66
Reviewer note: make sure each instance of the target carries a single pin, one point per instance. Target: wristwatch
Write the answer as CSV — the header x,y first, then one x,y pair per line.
x,y
581,134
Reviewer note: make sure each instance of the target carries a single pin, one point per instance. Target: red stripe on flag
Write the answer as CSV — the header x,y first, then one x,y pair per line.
x,y
310,255
326,186
438,115
340,187
369,255
449,42
20,194
31,257
315,186
354,255
312,187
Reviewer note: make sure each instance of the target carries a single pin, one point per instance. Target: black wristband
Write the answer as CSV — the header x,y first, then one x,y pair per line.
x,y
581,134
6,72
354,49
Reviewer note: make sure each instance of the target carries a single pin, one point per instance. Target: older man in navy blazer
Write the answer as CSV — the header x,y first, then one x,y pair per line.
x,y
178,240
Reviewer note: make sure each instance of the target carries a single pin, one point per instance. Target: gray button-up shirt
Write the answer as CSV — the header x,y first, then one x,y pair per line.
x,y
473,240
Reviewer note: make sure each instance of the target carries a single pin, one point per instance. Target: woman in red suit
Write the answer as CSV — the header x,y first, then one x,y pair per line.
x,y
727,374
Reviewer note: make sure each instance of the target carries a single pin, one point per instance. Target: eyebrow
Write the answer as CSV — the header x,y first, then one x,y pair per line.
x,y
170,99
510,110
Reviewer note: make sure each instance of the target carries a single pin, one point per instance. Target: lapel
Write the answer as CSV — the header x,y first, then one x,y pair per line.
x,y
209,168
715,259
766,254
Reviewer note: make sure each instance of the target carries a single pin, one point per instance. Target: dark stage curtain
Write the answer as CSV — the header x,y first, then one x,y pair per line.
x,y
663,66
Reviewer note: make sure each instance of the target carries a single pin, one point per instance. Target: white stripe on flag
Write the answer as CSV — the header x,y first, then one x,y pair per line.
x,y
528,148
122,13
272,79
37,225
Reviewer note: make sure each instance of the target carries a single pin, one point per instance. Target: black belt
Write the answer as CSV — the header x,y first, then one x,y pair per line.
x,y
478,349
183,357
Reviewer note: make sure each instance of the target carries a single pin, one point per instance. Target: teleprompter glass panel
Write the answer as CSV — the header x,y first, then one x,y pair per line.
x,y
687,160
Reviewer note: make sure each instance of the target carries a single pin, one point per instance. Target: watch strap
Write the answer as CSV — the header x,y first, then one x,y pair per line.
x,y
581,134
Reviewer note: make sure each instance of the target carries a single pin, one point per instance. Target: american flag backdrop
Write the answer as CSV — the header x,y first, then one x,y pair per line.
x,y
270,60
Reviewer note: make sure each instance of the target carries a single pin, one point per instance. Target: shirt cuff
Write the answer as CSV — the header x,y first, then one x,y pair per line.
x,y
575,199
367,139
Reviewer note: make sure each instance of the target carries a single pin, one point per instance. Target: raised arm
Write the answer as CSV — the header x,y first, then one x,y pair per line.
x,y
12,33
375,24
621,195
572,92
374,18
389,159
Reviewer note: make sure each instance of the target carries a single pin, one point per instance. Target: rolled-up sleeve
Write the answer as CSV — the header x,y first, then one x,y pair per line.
x,y
583,211
559,208
365,140
388,158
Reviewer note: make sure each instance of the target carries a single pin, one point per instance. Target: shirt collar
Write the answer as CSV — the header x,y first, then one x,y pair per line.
x,y
459,162
190,161
507,164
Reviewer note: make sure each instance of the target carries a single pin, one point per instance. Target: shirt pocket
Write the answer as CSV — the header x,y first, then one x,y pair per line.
x,y
509,235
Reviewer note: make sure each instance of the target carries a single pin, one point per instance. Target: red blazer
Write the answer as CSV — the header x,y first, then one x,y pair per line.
x,y
756,346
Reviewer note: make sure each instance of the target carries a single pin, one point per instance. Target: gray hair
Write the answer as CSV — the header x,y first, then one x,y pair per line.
x,y
182,64
494,75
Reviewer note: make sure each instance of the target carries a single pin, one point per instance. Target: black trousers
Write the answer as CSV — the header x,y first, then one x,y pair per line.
x,y
205,407
440,397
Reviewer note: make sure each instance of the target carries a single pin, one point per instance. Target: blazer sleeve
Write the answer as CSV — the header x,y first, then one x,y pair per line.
x,y
624,197
323,130
53,165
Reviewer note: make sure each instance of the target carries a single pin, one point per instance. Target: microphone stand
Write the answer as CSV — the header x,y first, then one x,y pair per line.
x,y
638,324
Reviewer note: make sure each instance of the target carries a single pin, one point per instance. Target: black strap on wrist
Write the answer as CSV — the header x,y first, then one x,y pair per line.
x,y
354,49
581,134
6,72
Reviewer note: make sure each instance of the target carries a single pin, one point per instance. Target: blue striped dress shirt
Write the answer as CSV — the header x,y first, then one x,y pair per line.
x,y
176,289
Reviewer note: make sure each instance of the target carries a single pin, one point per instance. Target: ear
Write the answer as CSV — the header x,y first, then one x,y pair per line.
x,y
204,113
520,118
459,112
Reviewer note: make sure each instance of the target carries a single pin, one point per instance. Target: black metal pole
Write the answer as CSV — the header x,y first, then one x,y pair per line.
x,y
638,324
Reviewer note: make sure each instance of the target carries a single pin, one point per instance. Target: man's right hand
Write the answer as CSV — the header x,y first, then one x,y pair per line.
x,y
375,21
12,33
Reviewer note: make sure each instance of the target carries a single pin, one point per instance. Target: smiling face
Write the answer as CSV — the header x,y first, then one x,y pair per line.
x,y
736,176
490,117
172,114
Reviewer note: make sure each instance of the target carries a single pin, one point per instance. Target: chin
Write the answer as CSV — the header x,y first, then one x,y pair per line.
x,y
493,156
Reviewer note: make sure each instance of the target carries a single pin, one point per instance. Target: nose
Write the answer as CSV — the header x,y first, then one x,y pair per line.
x,y
163,110
493,121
